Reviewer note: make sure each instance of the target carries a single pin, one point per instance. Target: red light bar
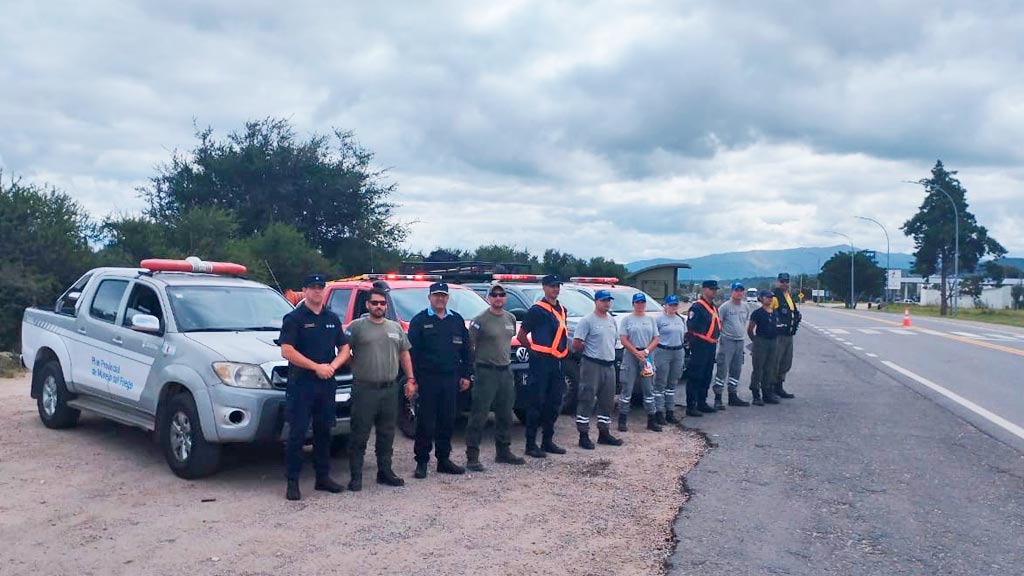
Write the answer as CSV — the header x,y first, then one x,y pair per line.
x,y
517,277
594,280
393,276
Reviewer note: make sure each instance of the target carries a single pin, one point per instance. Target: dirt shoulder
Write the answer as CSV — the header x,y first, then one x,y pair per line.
x,y
99,499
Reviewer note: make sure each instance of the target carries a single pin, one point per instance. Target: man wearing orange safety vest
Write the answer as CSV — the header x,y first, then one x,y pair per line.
x,y
703,327
545,329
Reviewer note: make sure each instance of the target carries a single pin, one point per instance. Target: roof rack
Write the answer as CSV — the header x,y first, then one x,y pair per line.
x,y
464,270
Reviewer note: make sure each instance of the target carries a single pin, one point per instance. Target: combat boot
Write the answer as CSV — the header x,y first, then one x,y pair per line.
x,y
585,442
549,446
734,399
652,423
604,436
718,401
446,466
670,417
659,418
622,423
706,409
355,468
533,451
473,460
421,470
757,398
769,396
503,455
389,478
327,484
293,491
781,392
694,412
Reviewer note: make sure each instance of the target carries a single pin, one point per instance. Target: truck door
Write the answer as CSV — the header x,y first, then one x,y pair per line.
x,y
139,350
93,359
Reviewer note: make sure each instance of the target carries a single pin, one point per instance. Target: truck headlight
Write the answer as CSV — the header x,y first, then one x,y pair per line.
x,y
241,375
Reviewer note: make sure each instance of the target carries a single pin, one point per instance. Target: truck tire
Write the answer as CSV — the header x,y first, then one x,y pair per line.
x,y
53,397
187,451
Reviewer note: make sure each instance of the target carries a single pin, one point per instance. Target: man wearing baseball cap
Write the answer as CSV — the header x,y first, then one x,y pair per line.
x,y
703,328
441,362
734,314
788,319
761,330
595,338
315,346
668,360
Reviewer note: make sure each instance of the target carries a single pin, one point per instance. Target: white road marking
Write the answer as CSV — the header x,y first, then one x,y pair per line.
x,y
858,348
901,331
993,418
968,335
870,355
840,331
999,337
868,331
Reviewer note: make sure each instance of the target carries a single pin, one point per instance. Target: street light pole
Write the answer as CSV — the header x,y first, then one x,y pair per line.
x,y
885,290
956,245
853,298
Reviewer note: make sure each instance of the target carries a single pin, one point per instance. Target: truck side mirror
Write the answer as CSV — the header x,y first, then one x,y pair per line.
x,y
519,313
67,304
145,323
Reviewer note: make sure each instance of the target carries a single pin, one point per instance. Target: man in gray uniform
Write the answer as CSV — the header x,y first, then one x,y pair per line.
x,y
489,335
735,314
668,360
378,347
639,335
595,338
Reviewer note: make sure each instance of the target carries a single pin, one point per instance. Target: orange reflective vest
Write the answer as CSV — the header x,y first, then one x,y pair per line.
x,y
716,323
561,333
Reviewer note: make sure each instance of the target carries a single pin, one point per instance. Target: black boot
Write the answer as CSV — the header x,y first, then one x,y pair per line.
x,y
718,401
781,392
706,409
604,436
757,398
734,399
355,482
585,442
387,477
659,418
533,451
446,466
652,423
769,396
473,460
421,470
504,455
693,411
293,491
670,417
326,484
549,446
622,423
355,470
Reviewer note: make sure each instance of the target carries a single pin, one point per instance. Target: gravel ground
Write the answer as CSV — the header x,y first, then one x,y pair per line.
x,y
99,499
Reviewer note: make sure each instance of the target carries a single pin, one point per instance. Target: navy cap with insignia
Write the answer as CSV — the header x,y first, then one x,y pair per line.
x,y
438,288
783,276
314,280
713,284
551,280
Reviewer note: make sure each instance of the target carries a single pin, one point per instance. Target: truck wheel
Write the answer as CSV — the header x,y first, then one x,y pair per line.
x,y
406,416
181,437
53,397
339,445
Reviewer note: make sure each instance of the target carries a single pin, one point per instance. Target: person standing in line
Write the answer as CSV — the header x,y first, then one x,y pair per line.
x,y
787,320
703,328
595,338
489,335
761,330
734,313
639,335
668,360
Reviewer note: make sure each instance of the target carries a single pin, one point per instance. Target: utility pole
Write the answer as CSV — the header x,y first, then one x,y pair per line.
x,y
885,290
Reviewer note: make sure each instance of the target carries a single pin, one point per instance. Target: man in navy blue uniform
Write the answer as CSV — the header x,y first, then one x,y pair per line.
x,y
442,363
703,328
315,346
545,330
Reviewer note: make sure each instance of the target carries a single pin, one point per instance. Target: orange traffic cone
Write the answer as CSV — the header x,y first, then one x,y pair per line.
x,y
906,317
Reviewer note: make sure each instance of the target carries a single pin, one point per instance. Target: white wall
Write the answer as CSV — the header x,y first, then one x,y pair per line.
x,y
991,297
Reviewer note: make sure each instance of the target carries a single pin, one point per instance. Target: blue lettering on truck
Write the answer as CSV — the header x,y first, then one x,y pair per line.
x,y
110,373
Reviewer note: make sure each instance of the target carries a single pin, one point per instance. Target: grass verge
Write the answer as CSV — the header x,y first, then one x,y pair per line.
x,y
1006,317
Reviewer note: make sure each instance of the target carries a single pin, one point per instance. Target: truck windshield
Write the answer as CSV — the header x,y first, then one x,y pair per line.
x,y
226,308
411,301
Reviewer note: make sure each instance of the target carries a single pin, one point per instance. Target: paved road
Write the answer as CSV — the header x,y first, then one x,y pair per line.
x,y
867,471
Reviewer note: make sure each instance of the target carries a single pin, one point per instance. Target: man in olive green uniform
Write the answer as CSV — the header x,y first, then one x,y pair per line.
x,y
378,347
490,334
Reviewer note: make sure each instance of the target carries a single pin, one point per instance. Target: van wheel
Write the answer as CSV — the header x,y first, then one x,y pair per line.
x,y
187,451
53,397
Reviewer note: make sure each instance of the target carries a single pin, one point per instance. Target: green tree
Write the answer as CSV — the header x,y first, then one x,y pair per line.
x,y
933,231
599,266
504,253
45,235
279,256
130,239
868,277
323,186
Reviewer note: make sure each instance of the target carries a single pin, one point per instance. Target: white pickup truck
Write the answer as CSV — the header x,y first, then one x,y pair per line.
x,y
191,356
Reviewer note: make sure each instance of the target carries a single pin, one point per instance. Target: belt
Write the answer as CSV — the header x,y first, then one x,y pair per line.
x,y
663,347
492,366
376,385
599,361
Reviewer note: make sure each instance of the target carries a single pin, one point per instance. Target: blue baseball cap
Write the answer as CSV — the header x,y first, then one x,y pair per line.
x,y
737,286
314,280
765,294
438,288
713,284
603,295
639,297
671,300
551,280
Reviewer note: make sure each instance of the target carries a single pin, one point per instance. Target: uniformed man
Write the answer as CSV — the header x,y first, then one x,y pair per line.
x,y
595,338
490,333
734,314
761,329
313,343
545,323
638,333
441,360
668,360
703,328
379,346
788,319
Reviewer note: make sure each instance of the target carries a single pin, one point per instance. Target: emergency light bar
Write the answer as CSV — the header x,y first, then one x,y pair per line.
x,y
517,277
594,280
192,264
392,276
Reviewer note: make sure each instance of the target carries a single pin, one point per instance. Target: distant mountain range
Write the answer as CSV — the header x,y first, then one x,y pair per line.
x,y
767,263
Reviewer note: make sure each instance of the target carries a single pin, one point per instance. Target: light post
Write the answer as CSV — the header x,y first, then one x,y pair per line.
x,y
885,290
956,245
853,298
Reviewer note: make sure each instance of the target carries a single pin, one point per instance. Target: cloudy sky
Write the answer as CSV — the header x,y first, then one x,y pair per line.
x,y
626,129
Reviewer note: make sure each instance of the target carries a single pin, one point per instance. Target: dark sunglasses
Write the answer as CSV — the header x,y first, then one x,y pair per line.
x,y
784,281
378,302
498,294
